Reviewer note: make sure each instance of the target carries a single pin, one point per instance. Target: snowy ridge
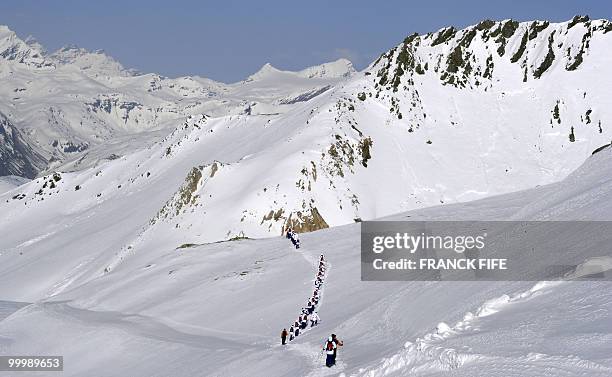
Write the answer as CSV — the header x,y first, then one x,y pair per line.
x,y
340,68
27,52
428,352
97,62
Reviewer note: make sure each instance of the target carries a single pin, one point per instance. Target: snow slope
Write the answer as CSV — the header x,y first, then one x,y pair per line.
x,y
9,182
217,309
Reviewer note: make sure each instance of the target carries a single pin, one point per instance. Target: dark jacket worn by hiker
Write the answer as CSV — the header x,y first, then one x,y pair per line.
x,y
284,334
338,343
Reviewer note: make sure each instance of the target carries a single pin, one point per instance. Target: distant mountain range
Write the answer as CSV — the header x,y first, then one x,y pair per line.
x,y
68,102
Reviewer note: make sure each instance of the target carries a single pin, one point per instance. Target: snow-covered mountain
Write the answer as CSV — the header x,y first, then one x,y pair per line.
x,y
339,68
70,101
28,52
446,117
96,63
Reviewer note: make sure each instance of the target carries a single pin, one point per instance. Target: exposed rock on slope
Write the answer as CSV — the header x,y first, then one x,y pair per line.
x,y
17,157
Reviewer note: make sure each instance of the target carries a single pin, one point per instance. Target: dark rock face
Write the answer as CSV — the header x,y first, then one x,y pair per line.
x,y
17,157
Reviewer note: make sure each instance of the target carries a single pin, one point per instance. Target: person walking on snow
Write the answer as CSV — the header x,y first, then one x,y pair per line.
x,y
314,319
338,343
291,336
284,334
330,350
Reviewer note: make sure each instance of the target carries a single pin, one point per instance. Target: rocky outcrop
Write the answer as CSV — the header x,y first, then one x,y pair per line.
x,y
17,157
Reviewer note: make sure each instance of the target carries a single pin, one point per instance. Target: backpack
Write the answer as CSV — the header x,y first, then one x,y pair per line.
x,y
329,346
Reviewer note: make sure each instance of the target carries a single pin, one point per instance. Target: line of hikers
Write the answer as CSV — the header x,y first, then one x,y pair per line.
x,y
309,312
291,235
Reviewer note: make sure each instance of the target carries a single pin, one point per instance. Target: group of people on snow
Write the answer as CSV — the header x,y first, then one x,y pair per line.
x,y
291,235
309,312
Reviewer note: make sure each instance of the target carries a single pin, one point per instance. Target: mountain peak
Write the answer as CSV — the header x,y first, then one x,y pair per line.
x,y
263,72
336,69
94,61
16,49
471,57
339,68
5,29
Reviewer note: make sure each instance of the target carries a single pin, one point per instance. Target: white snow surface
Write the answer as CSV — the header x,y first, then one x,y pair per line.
x,y
217,309
9,182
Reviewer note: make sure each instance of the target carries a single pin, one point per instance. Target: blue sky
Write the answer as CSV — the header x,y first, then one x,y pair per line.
x,y
228,40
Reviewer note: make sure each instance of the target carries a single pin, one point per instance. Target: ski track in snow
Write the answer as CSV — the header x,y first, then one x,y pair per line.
x,y
314,262
313,352
428,352
69,278
34,240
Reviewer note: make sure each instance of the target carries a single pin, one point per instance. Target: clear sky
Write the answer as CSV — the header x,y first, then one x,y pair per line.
x,y
228,40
